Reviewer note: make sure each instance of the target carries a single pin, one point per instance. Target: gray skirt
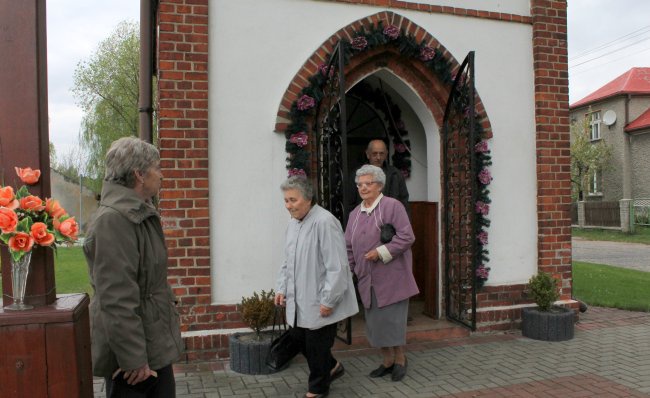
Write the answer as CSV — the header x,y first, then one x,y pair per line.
x,y
386,326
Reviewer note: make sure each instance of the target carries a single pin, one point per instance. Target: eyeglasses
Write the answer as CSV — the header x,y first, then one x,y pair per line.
x,y
365,184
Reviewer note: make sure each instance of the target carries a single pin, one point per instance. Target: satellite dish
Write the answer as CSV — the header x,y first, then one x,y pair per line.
x,y
609,117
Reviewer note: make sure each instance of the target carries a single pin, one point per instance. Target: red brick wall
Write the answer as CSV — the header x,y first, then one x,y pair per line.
x,y
552,133
183,133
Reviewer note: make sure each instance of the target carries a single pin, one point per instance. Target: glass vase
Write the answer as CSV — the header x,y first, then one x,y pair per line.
x,y
19,274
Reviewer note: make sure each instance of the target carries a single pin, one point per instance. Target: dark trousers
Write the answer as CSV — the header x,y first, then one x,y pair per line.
x,y
164,388
316,346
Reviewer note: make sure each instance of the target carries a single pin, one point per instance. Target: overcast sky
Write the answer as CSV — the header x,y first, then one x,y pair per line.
x,y
74,30
606,38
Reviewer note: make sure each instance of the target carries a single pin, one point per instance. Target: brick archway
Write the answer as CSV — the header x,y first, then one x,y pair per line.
x,y
424,82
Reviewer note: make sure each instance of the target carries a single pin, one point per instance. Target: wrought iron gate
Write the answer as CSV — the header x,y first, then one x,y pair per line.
x,y
460,192
331,152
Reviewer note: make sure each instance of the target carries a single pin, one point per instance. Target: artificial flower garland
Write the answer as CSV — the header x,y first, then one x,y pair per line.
x,y
310,97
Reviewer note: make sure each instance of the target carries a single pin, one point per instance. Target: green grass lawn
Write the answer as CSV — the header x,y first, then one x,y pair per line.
x,y
640,235
607,286
70,271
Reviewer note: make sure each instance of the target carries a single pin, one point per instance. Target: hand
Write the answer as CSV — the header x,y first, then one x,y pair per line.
x,y
325,311
135,376
372,255
279,299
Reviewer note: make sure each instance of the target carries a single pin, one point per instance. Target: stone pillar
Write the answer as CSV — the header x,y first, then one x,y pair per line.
x,y
24,140
581,214
625,207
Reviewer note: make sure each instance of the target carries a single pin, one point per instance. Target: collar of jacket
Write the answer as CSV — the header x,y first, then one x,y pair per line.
x,y
127,202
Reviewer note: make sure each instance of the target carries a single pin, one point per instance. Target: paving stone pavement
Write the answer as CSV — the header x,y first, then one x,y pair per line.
x,y
609,357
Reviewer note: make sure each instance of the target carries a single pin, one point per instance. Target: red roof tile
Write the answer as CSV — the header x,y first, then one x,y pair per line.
x,y
640,122
634,81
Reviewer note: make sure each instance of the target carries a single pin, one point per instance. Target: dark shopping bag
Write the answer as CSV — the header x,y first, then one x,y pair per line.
x,y
283,347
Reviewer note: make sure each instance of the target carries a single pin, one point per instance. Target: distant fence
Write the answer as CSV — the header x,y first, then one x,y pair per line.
x,y
602,214
641,208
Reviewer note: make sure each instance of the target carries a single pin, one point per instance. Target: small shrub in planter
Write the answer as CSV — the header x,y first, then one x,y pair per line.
x,y
248,351
546,322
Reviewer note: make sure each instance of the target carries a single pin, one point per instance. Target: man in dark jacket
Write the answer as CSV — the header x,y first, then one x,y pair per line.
x,y
395,185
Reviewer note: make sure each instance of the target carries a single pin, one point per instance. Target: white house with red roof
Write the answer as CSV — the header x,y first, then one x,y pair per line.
x,y
619,114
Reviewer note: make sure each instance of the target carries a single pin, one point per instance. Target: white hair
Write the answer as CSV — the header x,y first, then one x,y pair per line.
x,y
376,172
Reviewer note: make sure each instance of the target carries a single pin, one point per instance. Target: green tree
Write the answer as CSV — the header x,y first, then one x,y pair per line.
x,y
587,157
106,88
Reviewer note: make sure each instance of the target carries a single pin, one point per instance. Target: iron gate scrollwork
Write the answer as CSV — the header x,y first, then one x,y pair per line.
x,y
331,152
460,193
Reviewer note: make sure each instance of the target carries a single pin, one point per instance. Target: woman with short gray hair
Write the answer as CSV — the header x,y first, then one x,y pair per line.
x,y
314,283
135,329
127,155
375,172
379,238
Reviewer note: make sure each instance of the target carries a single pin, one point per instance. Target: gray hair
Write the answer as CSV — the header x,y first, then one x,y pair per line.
x,y
127,155
376,172
302,184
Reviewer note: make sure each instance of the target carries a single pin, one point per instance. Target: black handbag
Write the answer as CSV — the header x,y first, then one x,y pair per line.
x,y
387,231
283,346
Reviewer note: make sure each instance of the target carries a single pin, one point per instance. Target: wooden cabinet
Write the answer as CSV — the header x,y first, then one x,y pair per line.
x,y
45,352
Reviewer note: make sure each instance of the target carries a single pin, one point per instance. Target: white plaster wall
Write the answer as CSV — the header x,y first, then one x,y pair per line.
x,y
255,50
519,7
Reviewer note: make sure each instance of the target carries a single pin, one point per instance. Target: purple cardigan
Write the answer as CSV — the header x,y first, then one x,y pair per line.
x,y
393,281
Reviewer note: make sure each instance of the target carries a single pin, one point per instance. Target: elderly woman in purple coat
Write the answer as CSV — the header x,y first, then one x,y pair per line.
x,y
383,268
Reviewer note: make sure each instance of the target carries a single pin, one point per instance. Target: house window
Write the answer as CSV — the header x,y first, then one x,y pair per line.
x,y
595,184
594,124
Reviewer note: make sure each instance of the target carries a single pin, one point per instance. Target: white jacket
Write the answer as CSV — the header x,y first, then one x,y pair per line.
x,y
316,271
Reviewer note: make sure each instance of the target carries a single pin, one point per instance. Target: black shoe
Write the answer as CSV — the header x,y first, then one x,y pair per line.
x,y
382,371
338,372
400,371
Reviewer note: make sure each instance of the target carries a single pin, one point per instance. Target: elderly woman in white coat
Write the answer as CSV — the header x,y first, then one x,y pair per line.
x,y
315,282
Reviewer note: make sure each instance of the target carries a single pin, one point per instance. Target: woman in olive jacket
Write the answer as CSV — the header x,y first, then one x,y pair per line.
x,y
134,323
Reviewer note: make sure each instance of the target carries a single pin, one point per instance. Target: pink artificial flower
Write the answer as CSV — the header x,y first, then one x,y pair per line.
x,y
359,43
300,139
482,272
297,172
481,147
305,102
427,53
483,237
485,177
482,208
322,68
391,31
405,173
401,148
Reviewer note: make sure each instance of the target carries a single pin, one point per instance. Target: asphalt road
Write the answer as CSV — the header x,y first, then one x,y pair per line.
x,y
619,254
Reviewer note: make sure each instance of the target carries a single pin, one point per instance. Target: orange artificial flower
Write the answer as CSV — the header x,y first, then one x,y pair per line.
x,y
32,203
8,220
8,198
28,176
40,234
68,228
53,208
21,242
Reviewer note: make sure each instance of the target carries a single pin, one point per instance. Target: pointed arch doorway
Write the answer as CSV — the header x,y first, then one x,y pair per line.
x,y
377,109
354,113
